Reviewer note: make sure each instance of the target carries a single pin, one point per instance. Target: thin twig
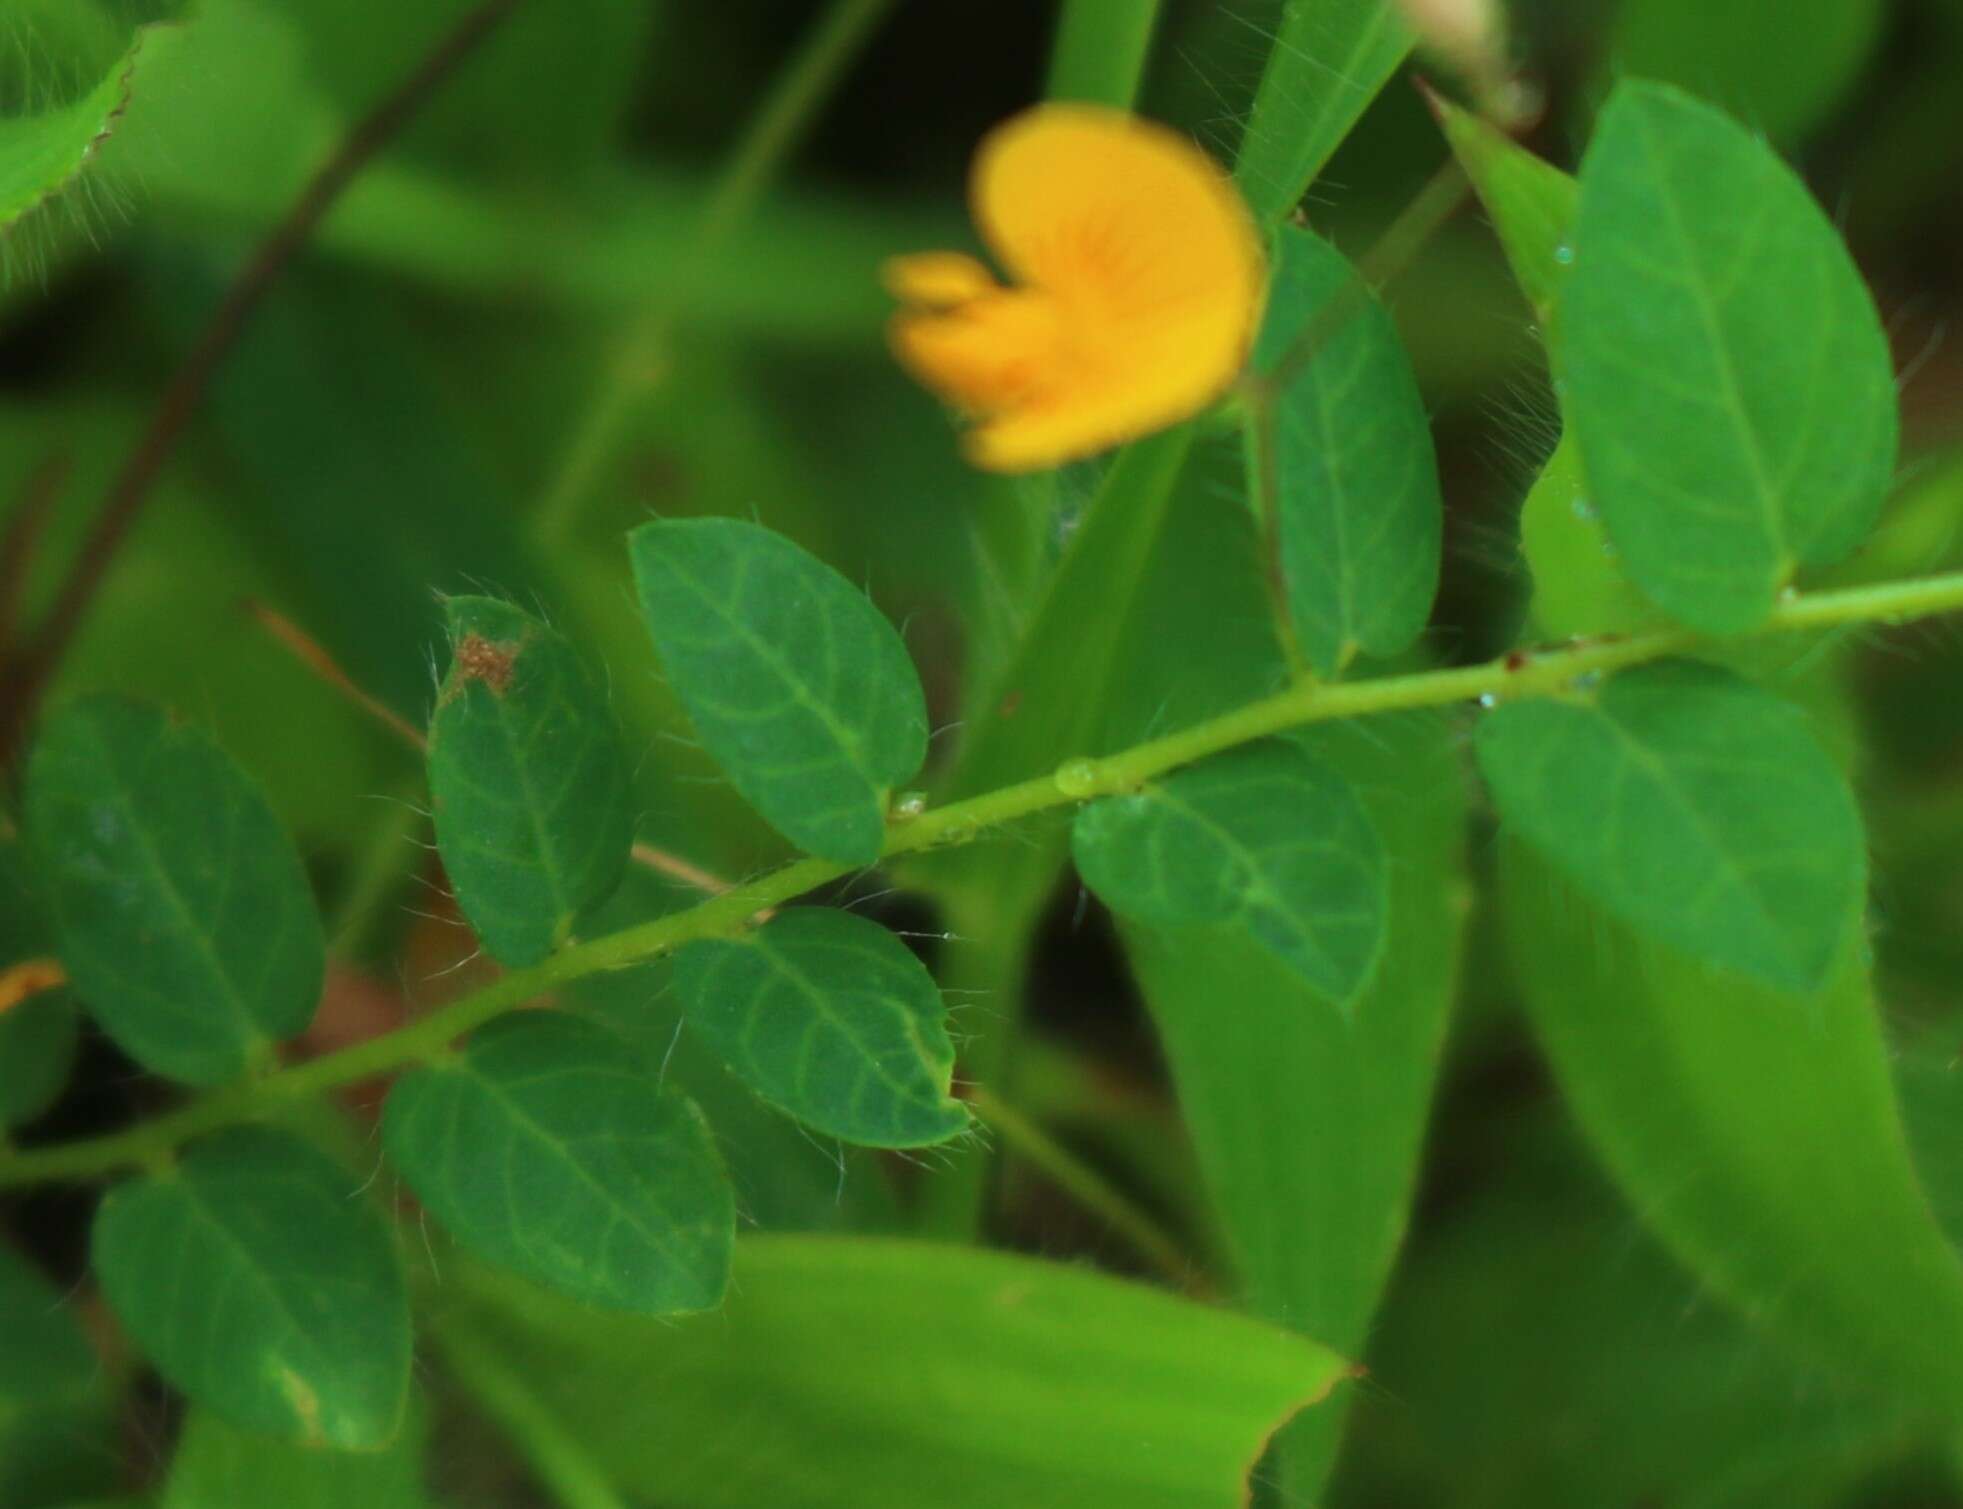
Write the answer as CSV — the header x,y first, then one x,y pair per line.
x,y
309,651
312,654
22,537
131,489
678,868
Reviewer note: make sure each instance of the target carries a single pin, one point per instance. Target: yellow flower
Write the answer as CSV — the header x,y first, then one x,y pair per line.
x,y
1137,286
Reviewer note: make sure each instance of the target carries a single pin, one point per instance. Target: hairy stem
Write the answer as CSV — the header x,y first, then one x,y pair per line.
x,y
1530,673
773,133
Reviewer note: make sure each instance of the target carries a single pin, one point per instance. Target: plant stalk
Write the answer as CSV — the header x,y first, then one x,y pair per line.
x,y
1553,671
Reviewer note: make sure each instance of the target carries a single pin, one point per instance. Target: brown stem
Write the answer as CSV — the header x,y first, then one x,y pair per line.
x,y
131,488
304,648
309,651
22,537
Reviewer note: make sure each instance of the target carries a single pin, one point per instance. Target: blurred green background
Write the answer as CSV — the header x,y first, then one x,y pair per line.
x,y
400,406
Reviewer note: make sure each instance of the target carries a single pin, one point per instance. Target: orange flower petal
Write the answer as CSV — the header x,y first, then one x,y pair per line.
x,y
1141,280
937,280
986,355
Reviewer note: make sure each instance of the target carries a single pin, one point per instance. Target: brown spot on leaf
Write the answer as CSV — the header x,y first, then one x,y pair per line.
x,y
481,659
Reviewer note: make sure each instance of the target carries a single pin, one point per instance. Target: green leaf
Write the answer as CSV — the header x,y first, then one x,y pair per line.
x,y
547,1149
42,155
218,1466
1530,201
1642,1387
1783,65
906,1374
1355,479
1578,583
1309,1125
1757,1134
1726,440
57,1423
38,1037
261,1284
785,1180
793,679
832,1020
1268,837
1579,587
184,918
1329,60
529,781
1695,806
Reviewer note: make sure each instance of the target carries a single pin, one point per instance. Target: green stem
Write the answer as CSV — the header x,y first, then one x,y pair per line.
x,y
1529,673
1085,1185
772,135
1100,50
563,1467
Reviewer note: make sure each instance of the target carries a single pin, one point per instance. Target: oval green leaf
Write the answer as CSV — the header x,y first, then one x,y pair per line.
x,y
1269,837
546,1147
1352,477
182,913
38,1036
528,779
796,683
1695,806
832,1020
261,1284
1724,370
